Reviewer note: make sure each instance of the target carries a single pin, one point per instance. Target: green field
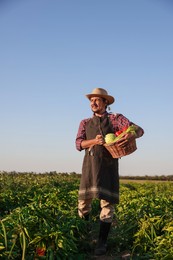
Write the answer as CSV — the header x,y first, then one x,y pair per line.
x,y
39,220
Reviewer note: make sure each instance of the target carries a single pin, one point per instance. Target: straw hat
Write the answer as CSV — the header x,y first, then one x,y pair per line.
x,y
100,92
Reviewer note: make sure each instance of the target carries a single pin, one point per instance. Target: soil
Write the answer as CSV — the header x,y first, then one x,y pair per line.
x,y
111,253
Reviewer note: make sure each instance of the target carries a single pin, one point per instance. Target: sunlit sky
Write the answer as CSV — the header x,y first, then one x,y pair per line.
x,y
55,52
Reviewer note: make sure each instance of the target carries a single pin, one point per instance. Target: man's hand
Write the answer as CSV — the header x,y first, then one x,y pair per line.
x,y
99,140
127,137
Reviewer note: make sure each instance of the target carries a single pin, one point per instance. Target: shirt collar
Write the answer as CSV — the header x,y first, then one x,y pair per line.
x,y
104,114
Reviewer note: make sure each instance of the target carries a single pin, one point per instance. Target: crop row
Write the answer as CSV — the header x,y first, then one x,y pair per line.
x,y
39,220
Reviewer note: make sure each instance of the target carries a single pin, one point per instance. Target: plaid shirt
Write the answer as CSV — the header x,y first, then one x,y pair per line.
x,y
118,122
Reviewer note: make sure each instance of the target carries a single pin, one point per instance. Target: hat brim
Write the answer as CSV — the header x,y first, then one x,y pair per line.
x,y
110,99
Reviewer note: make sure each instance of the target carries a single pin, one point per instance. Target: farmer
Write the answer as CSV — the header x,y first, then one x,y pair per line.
x,y
100,173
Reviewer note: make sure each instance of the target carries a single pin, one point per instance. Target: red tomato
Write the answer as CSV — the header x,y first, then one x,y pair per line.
x,y
41,251
118,132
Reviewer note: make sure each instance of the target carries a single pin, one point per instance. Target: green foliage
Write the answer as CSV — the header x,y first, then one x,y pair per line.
x,y
47,216
40,211
145,223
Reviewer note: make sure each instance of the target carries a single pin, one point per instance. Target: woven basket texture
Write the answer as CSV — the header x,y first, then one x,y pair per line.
x,y
118,152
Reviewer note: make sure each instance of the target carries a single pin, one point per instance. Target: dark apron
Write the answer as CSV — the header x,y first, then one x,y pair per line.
x,y
100,177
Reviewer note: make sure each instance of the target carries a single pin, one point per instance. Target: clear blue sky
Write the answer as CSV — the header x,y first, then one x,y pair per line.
x,y
55,52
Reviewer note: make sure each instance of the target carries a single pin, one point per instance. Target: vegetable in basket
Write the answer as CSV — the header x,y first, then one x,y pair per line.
x,y
111,138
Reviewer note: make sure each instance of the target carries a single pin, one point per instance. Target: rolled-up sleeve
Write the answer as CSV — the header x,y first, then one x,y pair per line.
x,y
81,135
119,121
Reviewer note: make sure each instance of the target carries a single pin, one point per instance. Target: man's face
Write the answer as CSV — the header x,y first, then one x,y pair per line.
x,y
98,105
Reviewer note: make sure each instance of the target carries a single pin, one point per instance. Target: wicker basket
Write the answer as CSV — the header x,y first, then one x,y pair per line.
x,y
118,152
